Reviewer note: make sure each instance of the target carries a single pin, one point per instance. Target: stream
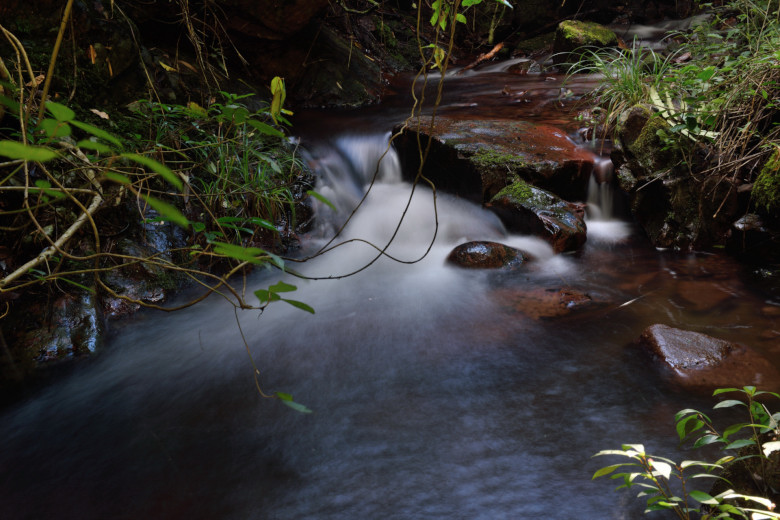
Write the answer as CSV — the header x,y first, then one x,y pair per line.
x,y
437,392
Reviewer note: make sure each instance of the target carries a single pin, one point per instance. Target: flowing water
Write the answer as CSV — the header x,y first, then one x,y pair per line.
x,y
437,392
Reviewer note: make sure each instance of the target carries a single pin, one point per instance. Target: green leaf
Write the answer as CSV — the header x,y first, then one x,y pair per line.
x,y
264,128
705,440
45,186
740,443
60,112
265,295
724,390
94,146
702,497
157,167
55,129
282,287
728,403
460,18
244,254
116,177
299,305
17,150
321,199
505,3
167,211
279,93
662,468
288,400
606,470
97,132
469,3
257,221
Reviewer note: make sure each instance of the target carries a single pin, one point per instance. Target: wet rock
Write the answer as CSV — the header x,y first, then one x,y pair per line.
x,y
475,159
75,325
676,209
486,255
540,303
523,67
574,35
696,361
527,209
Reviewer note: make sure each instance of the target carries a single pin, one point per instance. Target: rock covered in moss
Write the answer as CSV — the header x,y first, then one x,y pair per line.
x,y
475,159
766,189
486,255
574,35
527,209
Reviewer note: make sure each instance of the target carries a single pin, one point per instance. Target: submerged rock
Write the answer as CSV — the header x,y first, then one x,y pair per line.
x,y
527,209
486,255
475,159
544,303
696,361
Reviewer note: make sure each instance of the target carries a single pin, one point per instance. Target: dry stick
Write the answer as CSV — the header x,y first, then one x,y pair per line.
x,y
54,52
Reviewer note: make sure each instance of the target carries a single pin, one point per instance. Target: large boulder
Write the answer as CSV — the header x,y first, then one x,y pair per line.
x,y
475,159
527,209
695,361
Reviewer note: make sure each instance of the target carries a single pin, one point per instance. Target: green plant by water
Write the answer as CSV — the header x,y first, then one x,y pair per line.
x,y
685,488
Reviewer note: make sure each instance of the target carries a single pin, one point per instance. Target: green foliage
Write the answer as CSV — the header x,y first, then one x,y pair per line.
x,y
668,485
445,11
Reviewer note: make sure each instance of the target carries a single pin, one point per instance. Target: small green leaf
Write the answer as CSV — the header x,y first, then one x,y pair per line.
x,y
702,497
17,150
299,305
740,443
45,187
252,255
265,295
606,470
257,221
264,128
321,199
460,18
728,403
705,440
724,390
167,211
94,146
282,287
116,177
60,112
288,400
55,129
157,167
97,132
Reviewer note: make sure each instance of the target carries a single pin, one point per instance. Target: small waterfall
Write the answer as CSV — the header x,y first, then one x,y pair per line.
x,y
603,223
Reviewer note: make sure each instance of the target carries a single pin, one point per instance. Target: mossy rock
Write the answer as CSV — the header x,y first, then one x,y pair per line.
x,y
524,208
574,35
766,189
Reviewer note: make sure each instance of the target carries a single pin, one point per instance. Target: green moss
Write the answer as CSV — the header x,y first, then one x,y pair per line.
x,y
649,148
766,189
587,33
489,158
518,190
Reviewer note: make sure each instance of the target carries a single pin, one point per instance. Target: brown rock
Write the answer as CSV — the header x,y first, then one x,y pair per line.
x,y
696,361
538,303
486,255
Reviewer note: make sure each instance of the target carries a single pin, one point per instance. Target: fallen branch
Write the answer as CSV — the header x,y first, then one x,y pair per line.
x,y
483,57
